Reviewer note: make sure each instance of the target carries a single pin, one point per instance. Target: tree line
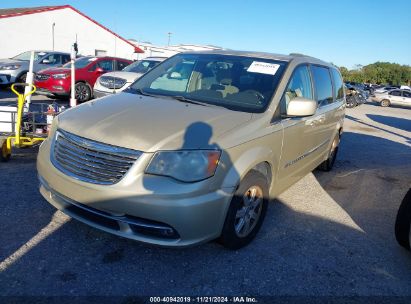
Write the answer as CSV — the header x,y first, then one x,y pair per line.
x,y
379,73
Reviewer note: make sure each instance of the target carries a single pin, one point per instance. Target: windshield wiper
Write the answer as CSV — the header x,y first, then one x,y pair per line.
x,y
188,100
139,91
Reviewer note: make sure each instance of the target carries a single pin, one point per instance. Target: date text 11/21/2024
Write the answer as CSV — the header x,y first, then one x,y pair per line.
x,y
206,299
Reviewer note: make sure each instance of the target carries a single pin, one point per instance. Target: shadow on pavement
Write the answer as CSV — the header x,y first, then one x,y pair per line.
x,y
395,122
377,128
370,178
295,253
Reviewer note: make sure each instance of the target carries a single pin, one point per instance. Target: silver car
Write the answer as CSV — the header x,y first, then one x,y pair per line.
x,y
15,69
194,150
115,82
393,97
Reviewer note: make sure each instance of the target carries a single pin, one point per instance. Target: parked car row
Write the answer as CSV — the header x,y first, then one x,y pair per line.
x,y
53,73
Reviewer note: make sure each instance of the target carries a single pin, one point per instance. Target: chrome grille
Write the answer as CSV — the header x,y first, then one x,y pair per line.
x,y
91,161
42,77
112,82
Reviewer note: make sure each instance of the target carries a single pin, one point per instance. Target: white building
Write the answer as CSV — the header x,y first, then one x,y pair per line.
x,y
57,28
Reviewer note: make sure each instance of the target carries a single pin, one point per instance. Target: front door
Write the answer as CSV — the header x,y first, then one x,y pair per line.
x,y
299,132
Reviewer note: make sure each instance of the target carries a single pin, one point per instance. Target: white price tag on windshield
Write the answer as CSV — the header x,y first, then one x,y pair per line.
x,y
263,68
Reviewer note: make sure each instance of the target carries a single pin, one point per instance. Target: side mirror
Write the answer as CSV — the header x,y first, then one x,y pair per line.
x,y
300,107
99,70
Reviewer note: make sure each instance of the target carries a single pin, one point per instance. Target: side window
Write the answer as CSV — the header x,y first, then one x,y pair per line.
x,y
338,85
298,86
65,59
121,65
50,59
322,84
395,93
106,65
406,94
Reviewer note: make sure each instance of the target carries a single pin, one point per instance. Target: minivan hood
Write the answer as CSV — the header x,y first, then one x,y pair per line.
x,y
149,123
128,76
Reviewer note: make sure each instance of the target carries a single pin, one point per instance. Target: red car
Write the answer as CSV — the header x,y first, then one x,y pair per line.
x,y
57,81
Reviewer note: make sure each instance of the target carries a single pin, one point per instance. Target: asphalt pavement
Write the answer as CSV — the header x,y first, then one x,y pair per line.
x,y
331,234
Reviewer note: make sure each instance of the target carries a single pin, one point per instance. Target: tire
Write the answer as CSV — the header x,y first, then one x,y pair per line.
x,y
83,92
4,155
350,102
385,103
403,222
328,164
21,79
234,235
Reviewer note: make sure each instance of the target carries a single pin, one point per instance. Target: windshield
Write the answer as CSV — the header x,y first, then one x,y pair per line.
x,y
26,56
141,66
235,82
81,62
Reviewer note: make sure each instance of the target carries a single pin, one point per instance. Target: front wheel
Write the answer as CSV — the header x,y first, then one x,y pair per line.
x,y
83,92
246,212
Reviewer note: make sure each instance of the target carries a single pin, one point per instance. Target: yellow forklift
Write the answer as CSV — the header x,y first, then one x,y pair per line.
x,y
20,138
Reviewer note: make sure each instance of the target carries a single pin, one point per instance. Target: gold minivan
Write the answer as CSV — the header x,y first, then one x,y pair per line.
x,y
194,150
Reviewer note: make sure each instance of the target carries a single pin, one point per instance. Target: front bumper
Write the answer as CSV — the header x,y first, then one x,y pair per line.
x,y
7,78
175,214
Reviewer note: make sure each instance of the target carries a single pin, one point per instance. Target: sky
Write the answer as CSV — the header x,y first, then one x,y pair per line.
x,y
346,32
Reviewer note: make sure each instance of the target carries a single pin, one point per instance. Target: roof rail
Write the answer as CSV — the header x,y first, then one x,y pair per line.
x,y
298,55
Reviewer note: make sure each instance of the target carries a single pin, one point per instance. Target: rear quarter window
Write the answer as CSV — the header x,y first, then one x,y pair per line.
x,y
338,85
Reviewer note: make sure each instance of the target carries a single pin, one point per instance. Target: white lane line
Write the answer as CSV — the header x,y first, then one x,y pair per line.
x,y
35,240
349,173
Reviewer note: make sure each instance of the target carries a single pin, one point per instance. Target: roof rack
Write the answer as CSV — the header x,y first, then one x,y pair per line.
x,y
298,55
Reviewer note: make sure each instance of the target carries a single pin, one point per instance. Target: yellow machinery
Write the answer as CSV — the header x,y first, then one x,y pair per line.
x,y
17,139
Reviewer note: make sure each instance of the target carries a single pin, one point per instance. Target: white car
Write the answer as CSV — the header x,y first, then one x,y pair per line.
x,y
393,97
114,82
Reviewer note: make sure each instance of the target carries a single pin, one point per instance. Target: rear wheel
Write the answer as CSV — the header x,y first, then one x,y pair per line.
x,y
385,103
328,164
83,92
246,212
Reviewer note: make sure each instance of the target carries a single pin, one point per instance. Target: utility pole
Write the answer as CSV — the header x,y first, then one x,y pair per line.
x,y
169,38
52,33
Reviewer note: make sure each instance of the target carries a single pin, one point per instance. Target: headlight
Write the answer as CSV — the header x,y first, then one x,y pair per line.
x,y
60,76
185,165
53,127
10,67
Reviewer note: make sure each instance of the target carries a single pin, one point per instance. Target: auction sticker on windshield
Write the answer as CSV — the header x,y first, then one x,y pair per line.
x,y
263,67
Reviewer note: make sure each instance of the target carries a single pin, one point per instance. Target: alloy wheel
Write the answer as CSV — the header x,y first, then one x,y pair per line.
x,y
82,92
250,211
